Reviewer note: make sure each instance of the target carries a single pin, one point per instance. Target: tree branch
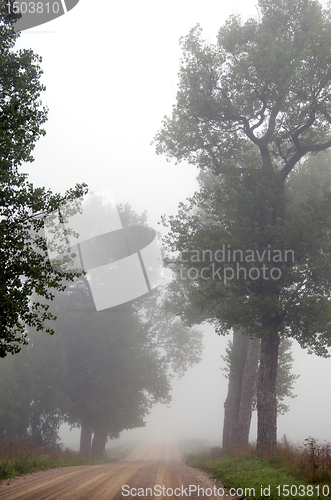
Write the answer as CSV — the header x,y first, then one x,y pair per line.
x,y
314,148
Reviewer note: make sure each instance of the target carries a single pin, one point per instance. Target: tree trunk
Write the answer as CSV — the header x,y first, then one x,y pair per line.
x,y
247,392
99,443
86,437
266,396
232,402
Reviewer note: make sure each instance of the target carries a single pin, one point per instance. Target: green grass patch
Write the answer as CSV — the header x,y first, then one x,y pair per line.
x,y
22,456
291,472
254,478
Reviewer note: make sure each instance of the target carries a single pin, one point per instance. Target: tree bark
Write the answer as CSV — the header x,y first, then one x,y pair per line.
x,y
99,443
266,396
232,402
86,437
247,391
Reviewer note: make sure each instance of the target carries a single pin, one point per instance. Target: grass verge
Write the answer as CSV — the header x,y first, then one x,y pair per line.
x,y
292,473
21,456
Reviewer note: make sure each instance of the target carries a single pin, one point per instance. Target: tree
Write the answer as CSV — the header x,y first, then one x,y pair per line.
x,y
197,232
31,394
102,371
232,404
242,368
248,109
202,232
24,266
120,360
113,375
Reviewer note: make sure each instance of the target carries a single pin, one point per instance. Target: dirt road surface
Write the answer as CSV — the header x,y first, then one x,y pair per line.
x,y
152,471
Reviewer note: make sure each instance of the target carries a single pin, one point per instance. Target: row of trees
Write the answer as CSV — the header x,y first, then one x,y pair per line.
x,y
101,371
250,108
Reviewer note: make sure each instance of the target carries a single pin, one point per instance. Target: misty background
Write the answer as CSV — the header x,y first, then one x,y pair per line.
x,y
111,75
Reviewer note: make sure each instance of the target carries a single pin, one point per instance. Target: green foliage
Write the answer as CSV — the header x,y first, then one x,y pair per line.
x,y
24,265
21,114
25,269
298,301
260,89
113,374
107,367
246,119
285,378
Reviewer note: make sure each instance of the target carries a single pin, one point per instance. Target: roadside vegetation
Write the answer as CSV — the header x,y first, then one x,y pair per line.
x,y
292,472
20,456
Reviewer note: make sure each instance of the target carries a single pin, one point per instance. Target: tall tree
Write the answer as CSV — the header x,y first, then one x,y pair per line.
x,y
120,363
24,265
248,109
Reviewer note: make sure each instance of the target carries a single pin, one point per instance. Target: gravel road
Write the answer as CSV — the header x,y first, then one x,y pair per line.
x,y
151,471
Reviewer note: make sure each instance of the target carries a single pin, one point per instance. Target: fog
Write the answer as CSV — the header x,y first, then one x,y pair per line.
x,y
111,76
196,410
198,399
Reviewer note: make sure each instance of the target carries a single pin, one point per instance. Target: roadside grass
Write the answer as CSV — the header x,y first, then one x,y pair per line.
x,y
21,456
294,472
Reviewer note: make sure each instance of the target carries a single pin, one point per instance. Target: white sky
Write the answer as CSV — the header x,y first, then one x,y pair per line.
x,y
111,72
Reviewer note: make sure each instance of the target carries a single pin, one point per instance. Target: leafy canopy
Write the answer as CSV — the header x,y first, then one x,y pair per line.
x,y
260,93
250,109
24,266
